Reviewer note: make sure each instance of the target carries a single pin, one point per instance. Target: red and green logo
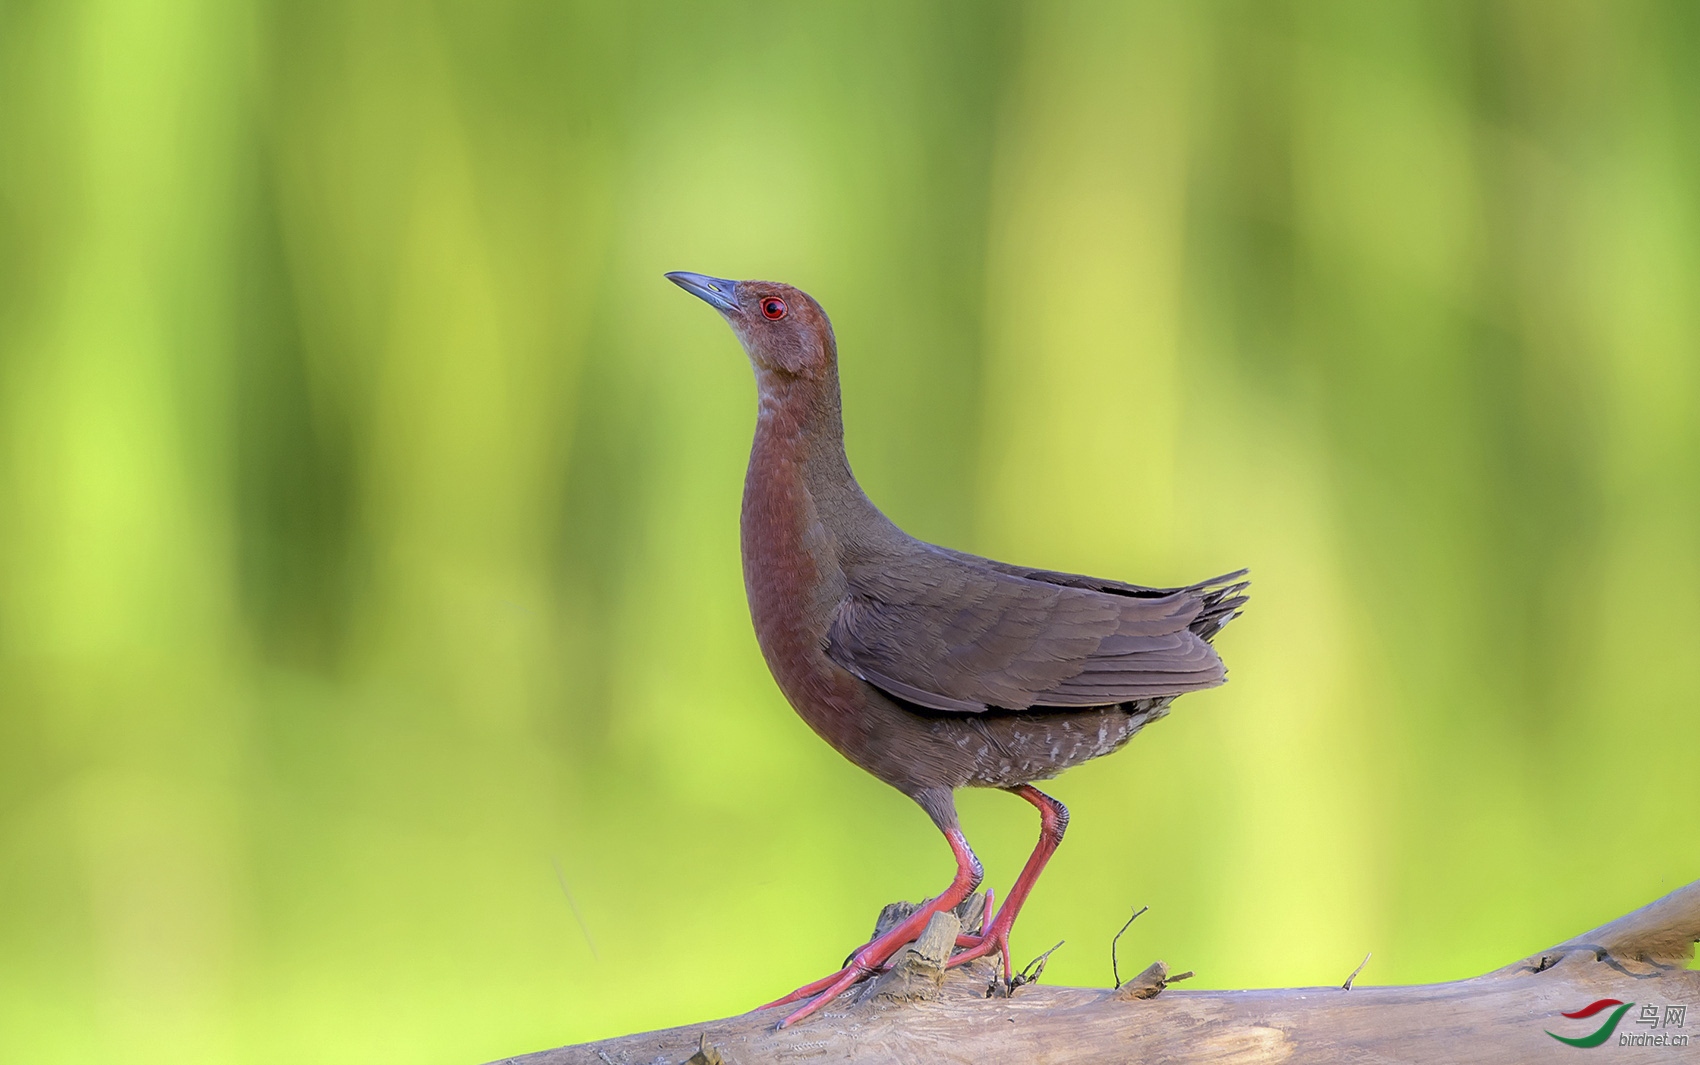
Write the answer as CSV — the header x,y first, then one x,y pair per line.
x,y
1618,1008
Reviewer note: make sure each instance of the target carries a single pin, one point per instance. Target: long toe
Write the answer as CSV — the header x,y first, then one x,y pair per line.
x,y
867,961
809,989
843,983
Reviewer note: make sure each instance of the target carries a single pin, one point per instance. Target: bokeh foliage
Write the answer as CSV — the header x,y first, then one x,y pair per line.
x,y
368,565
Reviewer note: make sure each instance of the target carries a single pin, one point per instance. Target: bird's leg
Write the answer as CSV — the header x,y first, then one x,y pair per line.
x,y
867,960
1053,822
969,939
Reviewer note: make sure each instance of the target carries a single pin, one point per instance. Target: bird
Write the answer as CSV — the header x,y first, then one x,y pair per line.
x,y
930,668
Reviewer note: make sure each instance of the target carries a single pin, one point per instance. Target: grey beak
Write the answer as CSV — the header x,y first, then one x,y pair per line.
x,y
718,292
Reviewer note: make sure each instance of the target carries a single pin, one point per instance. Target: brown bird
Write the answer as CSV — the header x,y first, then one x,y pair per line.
x,y
930,668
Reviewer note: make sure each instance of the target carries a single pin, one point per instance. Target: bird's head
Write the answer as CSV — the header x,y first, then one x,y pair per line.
x,y
782,328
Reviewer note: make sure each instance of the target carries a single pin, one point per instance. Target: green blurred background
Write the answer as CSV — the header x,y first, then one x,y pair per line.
x,y
368,502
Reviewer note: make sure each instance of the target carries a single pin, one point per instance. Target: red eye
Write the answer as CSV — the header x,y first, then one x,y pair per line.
x,y
773,307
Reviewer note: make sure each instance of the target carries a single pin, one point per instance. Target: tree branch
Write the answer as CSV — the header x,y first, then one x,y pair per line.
x,y
1502,1016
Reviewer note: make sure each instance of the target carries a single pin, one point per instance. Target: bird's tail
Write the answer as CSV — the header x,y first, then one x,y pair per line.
x,y
1224,599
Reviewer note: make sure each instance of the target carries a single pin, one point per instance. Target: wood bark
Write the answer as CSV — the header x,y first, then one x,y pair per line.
x,y
923,1014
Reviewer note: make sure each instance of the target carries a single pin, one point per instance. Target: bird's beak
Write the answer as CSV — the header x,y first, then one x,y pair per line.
x,y
717,292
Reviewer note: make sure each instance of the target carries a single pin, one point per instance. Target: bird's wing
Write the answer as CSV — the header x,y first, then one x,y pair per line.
x,y
948,632
1223,597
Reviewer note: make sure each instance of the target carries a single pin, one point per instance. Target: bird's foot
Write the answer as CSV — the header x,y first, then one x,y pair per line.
x,y
1002,984
871,958
823,991
865,962
970,948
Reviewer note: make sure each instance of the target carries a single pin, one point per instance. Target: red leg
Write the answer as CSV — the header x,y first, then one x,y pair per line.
x,y
1053,821
868,959
985,921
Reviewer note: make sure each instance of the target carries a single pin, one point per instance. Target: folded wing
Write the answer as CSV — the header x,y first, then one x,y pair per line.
x,y
957,633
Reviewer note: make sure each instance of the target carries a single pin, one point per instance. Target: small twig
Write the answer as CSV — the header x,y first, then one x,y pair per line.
x,y
1115,970
1347,986
1037,965
1029,974
1178,977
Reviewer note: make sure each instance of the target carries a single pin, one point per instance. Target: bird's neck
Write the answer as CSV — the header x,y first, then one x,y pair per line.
x,y
799,444
804,515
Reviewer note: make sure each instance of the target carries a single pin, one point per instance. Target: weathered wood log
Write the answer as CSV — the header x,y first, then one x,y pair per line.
x,y
1513,1014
